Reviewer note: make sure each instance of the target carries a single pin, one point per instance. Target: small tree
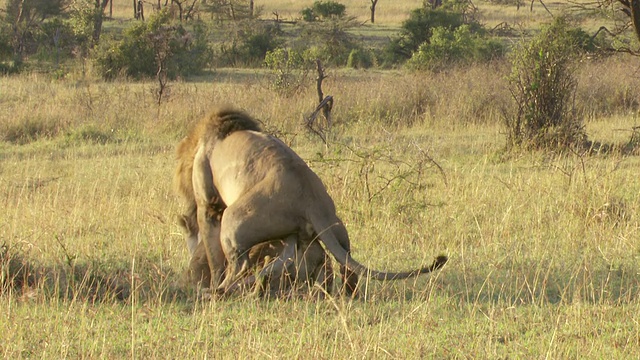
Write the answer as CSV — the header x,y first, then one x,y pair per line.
x,y
25,18
543,85
159,46
324,10
288,69
331,42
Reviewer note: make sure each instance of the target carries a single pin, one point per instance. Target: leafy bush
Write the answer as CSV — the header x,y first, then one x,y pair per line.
x,y
323,10
146,44
289,69
25,19
458,46
6,49
249,42
308,15
543,85
418,30
361,59
56,40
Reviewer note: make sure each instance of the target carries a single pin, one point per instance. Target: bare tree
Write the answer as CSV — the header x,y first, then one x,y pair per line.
x,y
185,8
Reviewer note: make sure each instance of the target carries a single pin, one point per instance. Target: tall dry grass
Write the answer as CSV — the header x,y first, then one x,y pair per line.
x,y
543,247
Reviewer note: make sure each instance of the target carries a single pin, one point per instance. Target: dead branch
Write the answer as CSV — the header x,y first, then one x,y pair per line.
x,y
325,104
310,121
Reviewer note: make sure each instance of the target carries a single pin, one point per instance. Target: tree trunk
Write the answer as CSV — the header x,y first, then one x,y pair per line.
x,y
635,16
373,10
97,20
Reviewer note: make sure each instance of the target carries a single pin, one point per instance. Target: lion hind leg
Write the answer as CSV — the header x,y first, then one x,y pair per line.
x,y
246,223
323,276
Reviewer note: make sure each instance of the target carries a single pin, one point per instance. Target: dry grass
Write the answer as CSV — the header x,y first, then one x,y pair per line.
x,y
544,247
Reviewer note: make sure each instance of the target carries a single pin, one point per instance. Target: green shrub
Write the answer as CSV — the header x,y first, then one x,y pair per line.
x,y
323,10
418,30
249,42
450,47
543,85
327,9
6,49
308,15
145,44
289,69
56,40
24,19
361,59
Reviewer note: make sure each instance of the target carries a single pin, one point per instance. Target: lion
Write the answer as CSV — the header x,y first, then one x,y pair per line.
x,y
270,193
310,265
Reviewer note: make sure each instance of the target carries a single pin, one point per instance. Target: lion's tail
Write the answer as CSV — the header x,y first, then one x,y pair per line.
x,y
328,234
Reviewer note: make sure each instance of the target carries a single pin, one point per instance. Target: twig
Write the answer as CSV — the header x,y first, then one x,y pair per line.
x,y
424,153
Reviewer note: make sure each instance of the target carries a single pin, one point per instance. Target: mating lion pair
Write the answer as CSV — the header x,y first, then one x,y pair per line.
x,y
253,203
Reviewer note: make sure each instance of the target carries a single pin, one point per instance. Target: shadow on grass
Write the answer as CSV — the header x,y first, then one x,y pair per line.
x,y
90,281
509,282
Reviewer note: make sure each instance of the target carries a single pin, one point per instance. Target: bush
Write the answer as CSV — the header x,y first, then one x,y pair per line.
x,y
249,43
543,85
361,59
323,10
6,49
449,47
289,69
56,40
24,20
418,30
146,44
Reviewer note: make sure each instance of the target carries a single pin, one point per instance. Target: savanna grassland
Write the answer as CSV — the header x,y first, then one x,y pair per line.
x,y
544,246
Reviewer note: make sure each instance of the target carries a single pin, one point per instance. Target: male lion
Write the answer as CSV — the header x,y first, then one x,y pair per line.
x,y
270,193
296,265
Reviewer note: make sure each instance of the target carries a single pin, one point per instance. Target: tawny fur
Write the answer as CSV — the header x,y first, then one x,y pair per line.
x,y
311,262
